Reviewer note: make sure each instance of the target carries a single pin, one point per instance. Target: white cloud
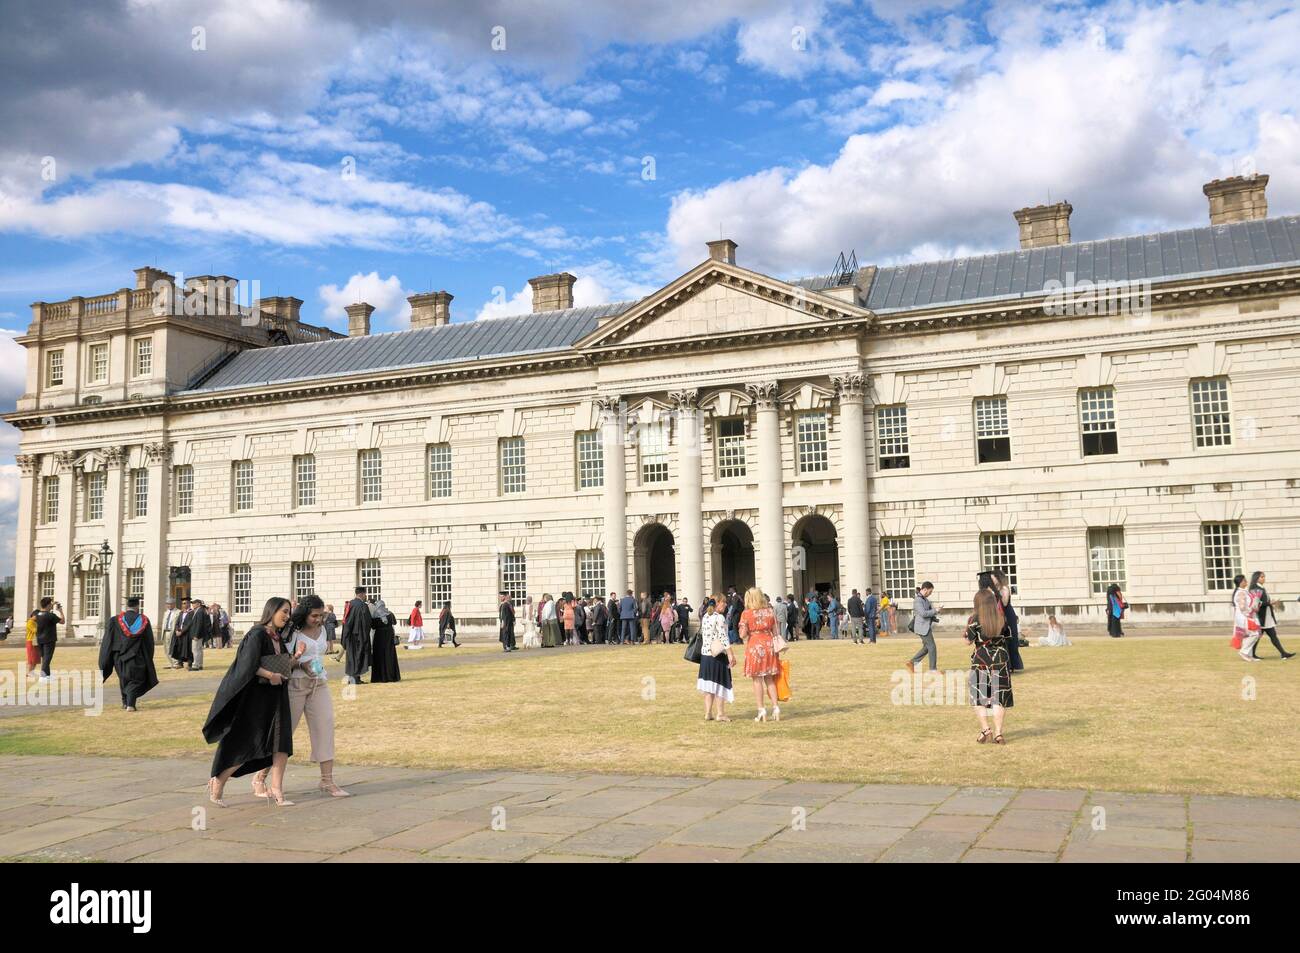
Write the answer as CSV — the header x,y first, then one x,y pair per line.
x,y
793,41
385,295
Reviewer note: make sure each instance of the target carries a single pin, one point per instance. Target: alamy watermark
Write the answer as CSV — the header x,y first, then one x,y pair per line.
x,y
1084,298
64,689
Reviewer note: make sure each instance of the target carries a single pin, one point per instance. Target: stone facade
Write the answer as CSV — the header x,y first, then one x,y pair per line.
x,y
761,405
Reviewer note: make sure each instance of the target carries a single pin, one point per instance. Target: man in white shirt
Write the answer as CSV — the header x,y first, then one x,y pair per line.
x,y
167,630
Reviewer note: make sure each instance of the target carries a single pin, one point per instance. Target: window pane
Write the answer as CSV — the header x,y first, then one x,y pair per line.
x,y
440,470
139,493
54,372
135,583
304,579
654,453
184,491
811,443
95,495
514,577
731,448
1106,558
97,369
50,492
999,552
1211,419
241,589
143,362
1221,550
591,573
891,436
1097,421
514,477
898,577
591,460
372,476
244,485
304,480
370,575
91,585
439,581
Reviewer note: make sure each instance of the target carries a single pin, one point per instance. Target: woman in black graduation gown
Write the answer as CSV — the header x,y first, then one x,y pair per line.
x,y
250,720
383,662
127,649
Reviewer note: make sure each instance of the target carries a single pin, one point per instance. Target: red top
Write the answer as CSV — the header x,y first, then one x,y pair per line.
x,y
416,618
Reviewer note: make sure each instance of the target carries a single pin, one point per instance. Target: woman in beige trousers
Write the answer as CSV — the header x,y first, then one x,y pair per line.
x,y
309,692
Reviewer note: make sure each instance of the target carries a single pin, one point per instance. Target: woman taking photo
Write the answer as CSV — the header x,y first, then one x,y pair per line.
x,y
987,631
762,664
717,659
1267,620
250,721
309,692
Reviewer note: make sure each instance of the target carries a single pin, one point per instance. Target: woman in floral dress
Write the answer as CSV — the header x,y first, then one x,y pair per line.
x,y
762,664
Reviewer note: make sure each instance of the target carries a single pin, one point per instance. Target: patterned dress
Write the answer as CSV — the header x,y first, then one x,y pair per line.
x,y
990,670
760,657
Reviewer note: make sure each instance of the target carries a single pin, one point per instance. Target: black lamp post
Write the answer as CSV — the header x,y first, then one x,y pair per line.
x,y
105,561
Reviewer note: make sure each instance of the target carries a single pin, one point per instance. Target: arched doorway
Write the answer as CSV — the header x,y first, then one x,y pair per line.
x,y
815,556
732,544
655,561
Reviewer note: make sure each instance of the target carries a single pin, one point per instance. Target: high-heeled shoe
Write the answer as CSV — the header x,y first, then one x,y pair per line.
x,y
277,798
259,784
213,796
776,712
327,786
762,715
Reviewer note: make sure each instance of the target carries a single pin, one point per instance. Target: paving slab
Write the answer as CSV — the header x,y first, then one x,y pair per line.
x,y
927,847
497,845
615,839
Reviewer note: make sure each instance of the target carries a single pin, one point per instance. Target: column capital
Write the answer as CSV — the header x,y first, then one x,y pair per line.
x,y
158,453
685,400
765,395
608,404
27,463
113,456
849,387
65,460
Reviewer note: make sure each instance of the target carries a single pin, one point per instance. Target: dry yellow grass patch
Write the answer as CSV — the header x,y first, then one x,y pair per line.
x,y
1137,715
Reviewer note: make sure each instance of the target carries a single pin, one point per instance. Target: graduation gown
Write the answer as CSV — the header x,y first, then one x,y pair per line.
x,y
384,666
182,649
249,720
127,649
356,637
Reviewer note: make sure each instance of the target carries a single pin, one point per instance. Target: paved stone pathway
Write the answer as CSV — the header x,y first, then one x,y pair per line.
x,y
110,809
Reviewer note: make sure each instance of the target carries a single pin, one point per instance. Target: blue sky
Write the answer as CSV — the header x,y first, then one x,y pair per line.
x,y
498,140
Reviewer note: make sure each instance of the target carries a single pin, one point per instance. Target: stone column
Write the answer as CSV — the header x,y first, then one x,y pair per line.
x,y
114,494
613,429
24,578
159,457
690,494
856,537
772,543
66,526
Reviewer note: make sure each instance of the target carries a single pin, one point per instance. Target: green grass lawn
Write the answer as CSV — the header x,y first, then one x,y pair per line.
x,y
1169,714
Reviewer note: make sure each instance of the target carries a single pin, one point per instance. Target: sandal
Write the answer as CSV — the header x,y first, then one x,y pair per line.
x,y
259,784
999,740
277,798
327,786
213,793
984,735
722,718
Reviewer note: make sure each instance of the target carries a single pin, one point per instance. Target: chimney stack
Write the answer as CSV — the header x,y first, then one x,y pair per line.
x,y
431,309
359,319
552,292
724,249
1238,199
145,278
1044,225
282,310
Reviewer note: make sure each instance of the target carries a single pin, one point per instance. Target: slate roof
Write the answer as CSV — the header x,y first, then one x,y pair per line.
x,y
1163,256
467,340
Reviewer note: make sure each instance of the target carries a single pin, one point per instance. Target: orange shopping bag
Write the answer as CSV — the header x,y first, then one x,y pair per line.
x,y
783,682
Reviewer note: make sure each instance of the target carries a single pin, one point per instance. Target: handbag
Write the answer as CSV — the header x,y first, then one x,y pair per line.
x,y
281,663
694,649
779,644
783,682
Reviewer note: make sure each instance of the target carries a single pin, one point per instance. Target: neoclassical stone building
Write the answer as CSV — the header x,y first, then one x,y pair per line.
x,y
1077,413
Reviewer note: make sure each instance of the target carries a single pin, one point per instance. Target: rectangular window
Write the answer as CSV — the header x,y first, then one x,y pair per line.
x,y
513,466
999,552
45,585
591,573
439,471
97,364
304,480
891,437
590,454
242,497
142,357
1211,416
372,476
50,499
241,589
992,431
439,582
95,483
811,443
897,573
92,584
135,583
1106,558
304,579
652,443
370,575
1221,550
730,448
1097,421
139,493
54,369
514,577
184,478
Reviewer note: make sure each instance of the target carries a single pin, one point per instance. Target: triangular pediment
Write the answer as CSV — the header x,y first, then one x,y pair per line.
x,y
718,300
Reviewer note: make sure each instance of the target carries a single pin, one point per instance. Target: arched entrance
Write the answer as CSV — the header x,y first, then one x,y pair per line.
x,y
655,561
815,556
732,545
